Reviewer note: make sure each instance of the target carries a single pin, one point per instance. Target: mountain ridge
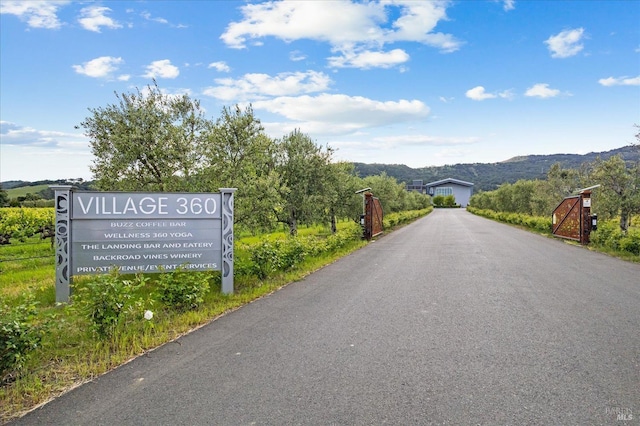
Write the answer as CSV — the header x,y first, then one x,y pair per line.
x,y
488,176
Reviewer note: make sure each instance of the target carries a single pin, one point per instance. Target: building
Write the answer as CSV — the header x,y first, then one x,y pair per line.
x,y
460,189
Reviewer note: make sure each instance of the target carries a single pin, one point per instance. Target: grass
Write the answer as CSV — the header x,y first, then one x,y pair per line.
x,y
24,190
69,355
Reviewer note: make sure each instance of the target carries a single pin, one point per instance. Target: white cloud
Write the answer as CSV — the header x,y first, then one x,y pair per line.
x,y
620,81
509,5
148,17
566,43
94,17
220,66
424,140
542,90
16,135
37,14
352,28
478,93
259,86
296,56
369,59
102,67
162,69
340,114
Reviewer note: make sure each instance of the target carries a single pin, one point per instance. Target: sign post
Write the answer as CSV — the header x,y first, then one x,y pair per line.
x,y
142,232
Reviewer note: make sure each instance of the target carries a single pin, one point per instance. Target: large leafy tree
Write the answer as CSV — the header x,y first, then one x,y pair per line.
x,y
238,154
146,141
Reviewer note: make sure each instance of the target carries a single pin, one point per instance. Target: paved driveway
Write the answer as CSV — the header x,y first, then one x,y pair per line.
x,y
454,320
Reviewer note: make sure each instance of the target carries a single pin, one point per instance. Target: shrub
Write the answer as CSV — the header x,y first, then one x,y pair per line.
x,y
107,299
183,289
19,336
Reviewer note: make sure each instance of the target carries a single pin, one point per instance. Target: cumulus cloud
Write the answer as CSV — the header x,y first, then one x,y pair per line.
x,y
542,90
220,66
369,59
356,30
479,93
37,14
259,86
14,134
102,67
566,43
162,69
92,18
620,81
327,114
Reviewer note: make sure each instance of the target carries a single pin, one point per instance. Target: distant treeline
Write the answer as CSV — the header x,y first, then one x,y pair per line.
x,y
489,176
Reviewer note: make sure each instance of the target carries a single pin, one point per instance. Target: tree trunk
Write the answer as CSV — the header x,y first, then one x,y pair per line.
x,y
624,221
293,224
334,227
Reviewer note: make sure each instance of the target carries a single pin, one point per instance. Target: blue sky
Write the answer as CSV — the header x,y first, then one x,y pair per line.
x,y
419,83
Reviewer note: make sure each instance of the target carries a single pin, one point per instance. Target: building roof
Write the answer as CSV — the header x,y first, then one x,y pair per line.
x,y
449,180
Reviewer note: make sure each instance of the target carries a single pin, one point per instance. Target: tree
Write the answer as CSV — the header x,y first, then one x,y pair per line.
x,y
340,187
4,197
147,141
303,167
238,154
620,188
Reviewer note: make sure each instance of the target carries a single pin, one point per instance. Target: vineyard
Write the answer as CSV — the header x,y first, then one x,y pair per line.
x,y
20,223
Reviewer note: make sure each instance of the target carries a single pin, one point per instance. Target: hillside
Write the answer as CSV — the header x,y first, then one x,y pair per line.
x,y
488,176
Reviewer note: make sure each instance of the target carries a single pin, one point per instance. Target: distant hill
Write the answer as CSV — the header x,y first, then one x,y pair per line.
x,y
488,176
19,188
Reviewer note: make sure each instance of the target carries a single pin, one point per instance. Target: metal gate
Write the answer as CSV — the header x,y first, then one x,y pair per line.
x,y
373,216
572,218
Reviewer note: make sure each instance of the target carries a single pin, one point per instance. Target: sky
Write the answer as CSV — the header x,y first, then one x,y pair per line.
x,y
420,83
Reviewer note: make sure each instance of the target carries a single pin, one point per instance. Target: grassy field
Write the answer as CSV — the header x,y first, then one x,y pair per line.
x,y
24,190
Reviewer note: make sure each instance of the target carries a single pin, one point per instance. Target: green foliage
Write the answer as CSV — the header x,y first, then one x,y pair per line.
x,y
610,236
537,223
148,141
19,336
268,257
393,219
183,289
108,301
22,223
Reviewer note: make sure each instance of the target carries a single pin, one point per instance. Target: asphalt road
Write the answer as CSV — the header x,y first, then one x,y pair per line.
x,y
454,320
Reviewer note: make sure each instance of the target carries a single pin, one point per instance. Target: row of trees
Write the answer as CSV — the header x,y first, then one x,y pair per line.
x,y
156,142
617,196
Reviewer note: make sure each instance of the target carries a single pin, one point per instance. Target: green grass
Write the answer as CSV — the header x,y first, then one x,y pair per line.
x,y
24,190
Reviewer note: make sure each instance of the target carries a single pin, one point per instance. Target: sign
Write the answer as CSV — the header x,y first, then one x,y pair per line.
x,y
142,233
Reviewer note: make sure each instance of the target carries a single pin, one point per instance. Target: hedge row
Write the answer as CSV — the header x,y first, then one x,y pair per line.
x,y
394,219
536,223
610,236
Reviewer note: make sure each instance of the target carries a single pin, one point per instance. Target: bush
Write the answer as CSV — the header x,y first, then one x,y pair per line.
x,y
19,336
268,257
107,300
182,289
